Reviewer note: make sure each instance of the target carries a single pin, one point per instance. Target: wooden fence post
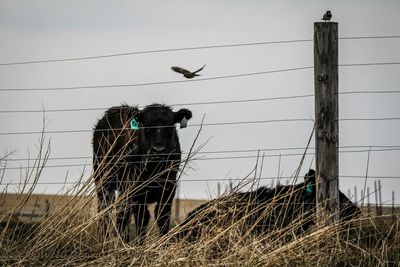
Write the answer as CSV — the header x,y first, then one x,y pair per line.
x,y
376,199
326,117
368,205
355,195
362,198
177,203
393,209
380,197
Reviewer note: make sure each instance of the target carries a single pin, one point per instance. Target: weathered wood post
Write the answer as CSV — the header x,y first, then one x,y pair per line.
x,y
376,199
393,209
355,195
177,203
326,116
368,205
380,198
362,198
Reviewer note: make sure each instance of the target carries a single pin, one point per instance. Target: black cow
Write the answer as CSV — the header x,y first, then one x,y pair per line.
x,y
263,210
137,153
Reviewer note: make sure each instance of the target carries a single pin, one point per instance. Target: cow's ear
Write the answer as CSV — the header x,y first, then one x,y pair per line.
x,y
182,116
310,177
139,116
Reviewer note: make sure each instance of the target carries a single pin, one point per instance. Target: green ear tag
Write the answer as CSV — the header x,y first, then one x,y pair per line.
x,y
134,124
309,188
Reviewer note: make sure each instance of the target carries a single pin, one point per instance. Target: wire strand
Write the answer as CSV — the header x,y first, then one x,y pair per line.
x,y
153,51
123,163
186,81
152,83
199,125
368,64
203,103
149,127
186,49
172,105
215,179
387,147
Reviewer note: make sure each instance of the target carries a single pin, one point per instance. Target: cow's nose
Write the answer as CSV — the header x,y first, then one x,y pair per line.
x,y
158,148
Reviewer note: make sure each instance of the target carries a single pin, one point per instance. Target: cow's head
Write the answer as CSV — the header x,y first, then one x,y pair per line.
x,y
157,126
348,209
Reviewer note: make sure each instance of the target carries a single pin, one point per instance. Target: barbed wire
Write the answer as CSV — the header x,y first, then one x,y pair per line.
x,y
368,64
154,51
202,103
209,103
370,119
183,153
169,126
172,105
37,208
186,49
276,201
209,179
197,125
230,151
153,83
149,160
68,88
370,92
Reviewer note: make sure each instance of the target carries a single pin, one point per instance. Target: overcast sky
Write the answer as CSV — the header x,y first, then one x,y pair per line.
x,y
45,30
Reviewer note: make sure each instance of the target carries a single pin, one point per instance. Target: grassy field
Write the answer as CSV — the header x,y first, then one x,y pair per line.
x,y
37,206
64,232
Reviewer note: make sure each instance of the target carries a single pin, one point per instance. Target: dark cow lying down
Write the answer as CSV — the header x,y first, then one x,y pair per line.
x,y
137,153
262,210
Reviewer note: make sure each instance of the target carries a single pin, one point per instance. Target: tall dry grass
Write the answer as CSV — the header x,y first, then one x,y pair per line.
x,y
65,238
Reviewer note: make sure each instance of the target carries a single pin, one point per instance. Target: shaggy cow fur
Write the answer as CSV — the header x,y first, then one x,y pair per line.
x,y
137,153
262,210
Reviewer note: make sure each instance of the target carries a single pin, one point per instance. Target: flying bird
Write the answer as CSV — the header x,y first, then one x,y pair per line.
x,y
186,73
327,16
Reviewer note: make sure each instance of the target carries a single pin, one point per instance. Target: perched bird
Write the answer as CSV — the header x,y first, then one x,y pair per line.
x,y
186,73
327,16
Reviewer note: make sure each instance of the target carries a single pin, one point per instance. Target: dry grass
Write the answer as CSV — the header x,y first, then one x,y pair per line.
x,y
62,240
65,238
